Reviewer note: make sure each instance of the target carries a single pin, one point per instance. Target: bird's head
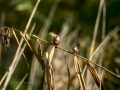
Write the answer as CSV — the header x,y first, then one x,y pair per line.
x,y
57,37
75,48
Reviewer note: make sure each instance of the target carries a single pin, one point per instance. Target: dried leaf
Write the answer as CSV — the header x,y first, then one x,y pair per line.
x,y
48,74
20,48
68,72
26,40
40,54
34,51
29,43
95,75
45,49
48,68
51,55
32,46
52,80
79,74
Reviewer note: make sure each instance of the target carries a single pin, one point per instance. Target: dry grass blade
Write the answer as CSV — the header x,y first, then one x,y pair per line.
x,y
68,72
34,51
29,43
53,87
79,73
40,54
96,27
25,40
95,75
45,49
51,55
48,74
47,67
20,47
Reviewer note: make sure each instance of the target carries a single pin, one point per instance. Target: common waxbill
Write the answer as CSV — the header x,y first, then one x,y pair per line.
x,y
56,39
75,49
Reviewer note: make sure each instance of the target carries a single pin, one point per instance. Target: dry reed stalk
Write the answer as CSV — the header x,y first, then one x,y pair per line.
x,y
103,34
79,73
21,81
68,71
96,27
17,52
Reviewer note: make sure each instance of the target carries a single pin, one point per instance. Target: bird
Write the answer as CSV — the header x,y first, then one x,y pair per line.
x,y
56,39
75,49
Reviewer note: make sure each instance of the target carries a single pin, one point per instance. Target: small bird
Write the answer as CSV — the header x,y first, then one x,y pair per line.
x,y
56,39
75,49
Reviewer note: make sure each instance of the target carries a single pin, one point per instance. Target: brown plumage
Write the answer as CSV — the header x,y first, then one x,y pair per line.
x,y
75,50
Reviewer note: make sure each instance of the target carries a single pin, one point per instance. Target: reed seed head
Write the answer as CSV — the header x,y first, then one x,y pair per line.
x,y
5,35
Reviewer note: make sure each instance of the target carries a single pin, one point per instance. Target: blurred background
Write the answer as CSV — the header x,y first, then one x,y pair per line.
x,y
74,21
